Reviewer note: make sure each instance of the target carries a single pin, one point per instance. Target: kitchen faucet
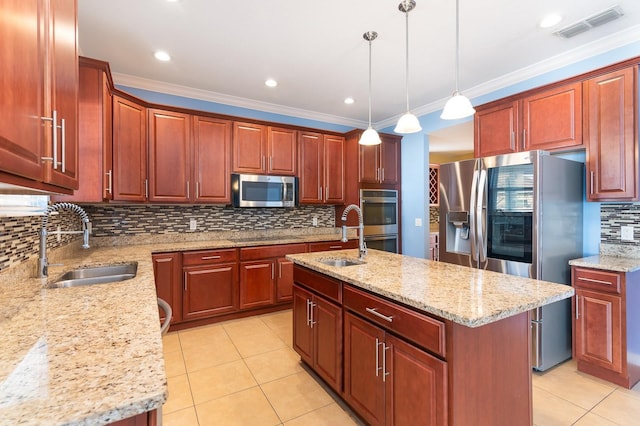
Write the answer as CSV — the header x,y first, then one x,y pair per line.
x,y
43,263
362,245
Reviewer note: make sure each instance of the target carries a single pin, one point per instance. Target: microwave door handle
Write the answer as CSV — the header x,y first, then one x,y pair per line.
x,y
481,216
284,191
472,215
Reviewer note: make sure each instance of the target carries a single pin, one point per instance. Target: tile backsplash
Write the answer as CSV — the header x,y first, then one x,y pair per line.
x,y
613,217
19,235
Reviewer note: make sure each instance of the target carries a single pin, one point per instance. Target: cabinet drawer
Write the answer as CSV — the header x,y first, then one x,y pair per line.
x,y
420,329
596,279
333,245
268,252
328,287
204,257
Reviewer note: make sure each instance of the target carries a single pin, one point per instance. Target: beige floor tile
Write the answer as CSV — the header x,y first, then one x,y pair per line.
x,y
245,326
621,407
579,388
285,333
249,344
274,365
278,319
591,419
550,410
186,417
179,394
249,407
210,353
215,382
171,343
174,364
196,337
331,415
295,395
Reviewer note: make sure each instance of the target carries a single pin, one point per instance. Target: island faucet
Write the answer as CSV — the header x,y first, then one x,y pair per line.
x,y
362,246
43,263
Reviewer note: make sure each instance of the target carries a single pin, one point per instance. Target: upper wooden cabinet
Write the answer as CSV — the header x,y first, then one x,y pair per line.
x,y
95,112
548,119
379,164
322,165
611,136
39,86
263,149
211,167
129,150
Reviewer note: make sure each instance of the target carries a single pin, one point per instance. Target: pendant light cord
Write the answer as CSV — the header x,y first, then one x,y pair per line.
x,y
457,43
406,79
369,81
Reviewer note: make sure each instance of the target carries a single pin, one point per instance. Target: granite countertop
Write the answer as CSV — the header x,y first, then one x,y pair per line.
x,y
467,296
92,354
608,263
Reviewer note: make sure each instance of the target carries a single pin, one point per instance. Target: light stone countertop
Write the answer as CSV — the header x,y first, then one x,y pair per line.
x,y
92,355
608,263
467,296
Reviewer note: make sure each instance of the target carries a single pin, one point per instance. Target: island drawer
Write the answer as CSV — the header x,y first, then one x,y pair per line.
x,y
267,252
204,257
419,328
596,279
321,284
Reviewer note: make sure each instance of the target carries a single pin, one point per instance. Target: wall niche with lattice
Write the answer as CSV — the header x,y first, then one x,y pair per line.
x,y
434,184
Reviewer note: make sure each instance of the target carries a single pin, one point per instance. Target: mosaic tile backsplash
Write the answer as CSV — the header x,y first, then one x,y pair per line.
x,y
19,235
615,216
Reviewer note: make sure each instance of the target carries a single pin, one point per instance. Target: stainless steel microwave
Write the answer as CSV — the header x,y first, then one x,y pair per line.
x,y
264,191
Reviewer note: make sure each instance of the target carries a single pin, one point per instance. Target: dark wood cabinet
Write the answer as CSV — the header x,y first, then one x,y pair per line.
x,y
611,136
167,270
149,418
282,151
284,280
379,164
39,89
333,245
264,149
322,162
169,156
210,283
606,328
129,150
257,283
211,165
496,129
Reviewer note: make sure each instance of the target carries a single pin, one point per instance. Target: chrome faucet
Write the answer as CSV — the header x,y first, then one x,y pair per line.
x,y
362,246
43,263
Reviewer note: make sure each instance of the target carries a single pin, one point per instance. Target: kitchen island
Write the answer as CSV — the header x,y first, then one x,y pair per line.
x,y
423,342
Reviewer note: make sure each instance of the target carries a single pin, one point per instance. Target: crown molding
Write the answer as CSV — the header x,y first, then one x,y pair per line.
x,y
229,100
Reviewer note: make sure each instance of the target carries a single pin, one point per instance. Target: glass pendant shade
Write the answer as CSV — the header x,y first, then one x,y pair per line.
x,y
458,106
408,123
370,137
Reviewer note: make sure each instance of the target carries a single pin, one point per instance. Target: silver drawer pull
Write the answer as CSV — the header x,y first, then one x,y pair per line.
x,y
209,257
591,280
335,247
378,314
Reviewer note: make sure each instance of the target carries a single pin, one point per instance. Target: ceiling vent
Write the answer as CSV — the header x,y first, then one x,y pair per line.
x,y
593,21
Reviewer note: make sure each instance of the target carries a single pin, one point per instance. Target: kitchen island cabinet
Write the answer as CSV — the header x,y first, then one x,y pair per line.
x,y
437,328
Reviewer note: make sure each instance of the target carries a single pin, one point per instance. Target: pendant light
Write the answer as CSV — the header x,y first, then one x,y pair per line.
x,y
408,123
458,106
370,136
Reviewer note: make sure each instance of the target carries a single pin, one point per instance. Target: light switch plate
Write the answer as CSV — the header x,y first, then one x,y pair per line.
x,y
626,233
193,224
418,221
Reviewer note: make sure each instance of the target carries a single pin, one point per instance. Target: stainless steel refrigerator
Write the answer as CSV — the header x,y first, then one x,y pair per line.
x,y
520,214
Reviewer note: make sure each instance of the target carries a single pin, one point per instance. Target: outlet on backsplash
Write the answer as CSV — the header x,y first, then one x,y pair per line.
x,y
193,224
626,233
315,221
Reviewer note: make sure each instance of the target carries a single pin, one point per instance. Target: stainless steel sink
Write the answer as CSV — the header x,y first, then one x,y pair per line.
x,y
342,262
96,275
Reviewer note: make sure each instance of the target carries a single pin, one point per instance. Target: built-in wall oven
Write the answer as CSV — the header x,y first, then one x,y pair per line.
x,y
380,217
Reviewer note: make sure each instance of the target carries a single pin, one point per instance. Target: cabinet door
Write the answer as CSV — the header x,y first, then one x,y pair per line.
x,y
257,283
598,329
389,157
496,130
369,163
334,169
311,168
327,330
212,160
210,290
169,156
166,270
284,283
553,119
22,49
363,385
283,151
64,90
611,138
129,150
249,148
416,388
302,332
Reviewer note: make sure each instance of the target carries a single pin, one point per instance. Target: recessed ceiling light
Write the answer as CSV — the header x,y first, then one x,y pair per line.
x,y
349,100
270,83
549,20
162,56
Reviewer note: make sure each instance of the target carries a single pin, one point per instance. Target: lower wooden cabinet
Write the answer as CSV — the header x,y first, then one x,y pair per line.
x,y
149,418
167,269
257,283
284,280
210,290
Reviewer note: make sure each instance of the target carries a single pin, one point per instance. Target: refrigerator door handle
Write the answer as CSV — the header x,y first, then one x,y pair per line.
x,y
481,216
472,215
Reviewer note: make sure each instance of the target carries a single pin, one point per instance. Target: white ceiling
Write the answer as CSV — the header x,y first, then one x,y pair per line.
x,y
224,50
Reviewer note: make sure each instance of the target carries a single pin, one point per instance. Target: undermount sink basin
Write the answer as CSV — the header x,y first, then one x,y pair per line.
x,y
342,262
96,275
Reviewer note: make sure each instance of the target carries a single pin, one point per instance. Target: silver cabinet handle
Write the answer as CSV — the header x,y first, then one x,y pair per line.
x,y
377,173
270,163
209,257
577,307
382,173
512,141
385,373
524,138
63,145
146,188
308,314
379,315
184,280
54,129
262,163
110,181
320,198
188,192
311,306
197,189
273,272
279,270
591,178
326,192
592,280
377,357
335,247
